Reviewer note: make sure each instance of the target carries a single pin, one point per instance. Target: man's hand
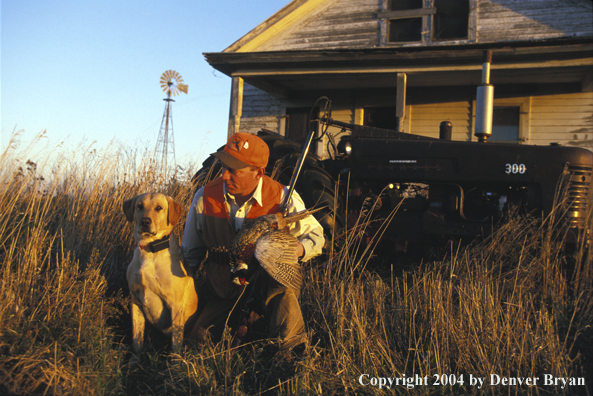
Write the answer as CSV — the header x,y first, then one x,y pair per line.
x,y
300,250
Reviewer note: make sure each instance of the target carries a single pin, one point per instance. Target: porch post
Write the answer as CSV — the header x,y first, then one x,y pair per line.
x,y
236,107
400,102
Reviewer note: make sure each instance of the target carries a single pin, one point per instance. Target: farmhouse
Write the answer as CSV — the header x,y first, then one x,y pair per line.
x,y
411,64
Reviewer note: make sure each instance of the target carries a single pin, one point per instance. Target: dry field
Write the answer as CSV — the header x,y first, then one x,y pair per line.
x,y
515,305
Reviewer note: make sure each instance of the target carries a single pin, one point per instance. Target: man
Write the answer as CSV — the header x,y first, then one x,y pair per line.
x,y
217,213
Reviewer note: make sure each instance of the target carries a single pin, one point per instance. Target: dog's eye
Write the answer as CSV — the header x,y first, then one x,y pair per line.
x,y
140,206
159,208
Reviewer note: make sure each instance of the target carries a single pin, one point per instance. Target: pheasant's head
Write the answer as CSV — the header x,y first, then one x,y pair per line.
x,y
239,269
237,266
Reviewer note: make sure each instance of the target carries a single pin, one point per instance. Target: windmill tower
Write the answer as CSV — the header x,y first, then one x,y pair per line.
x,y
171,83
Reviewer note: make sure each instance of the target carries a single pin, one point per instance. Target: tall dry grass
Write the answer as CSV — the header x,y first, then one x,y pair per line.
x,y
515,304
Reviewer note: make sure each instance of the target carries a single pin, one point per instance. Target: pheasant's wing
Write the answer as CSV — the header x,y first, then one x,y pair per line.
x,y
276,251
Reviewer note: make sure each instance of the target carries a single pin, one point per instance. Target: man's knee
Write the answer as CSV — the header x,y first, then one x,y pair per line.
x,y
277,292
200,334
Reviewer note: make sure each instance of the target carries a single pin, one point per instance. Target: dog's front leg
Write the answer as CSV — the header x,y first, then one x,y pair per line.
x,y
138,323
178,319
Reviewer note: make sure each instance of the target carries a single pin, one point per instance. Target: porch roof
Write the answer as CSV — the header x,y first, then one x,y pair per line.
x,y
292,74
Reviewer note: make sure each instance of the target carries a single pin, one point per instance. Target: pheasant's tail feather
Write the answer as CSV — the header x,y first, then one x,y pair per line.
x,y
301,215
289,276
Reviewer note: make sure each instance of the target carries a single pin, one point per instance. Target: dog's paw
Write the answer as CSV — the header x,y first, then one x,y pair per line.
x,y
133,363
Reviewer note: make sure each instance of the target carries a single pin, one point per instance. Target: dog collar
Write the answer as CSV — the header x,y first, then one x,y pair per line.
x,y
156,246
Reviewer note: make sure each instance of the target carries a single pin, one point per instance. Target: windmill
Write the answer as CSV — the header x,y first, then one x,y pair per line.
x,y
171,83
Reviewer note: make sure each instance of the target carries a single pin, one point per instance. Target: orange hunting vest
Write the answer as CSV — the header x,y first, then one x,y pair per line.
x,y
218,232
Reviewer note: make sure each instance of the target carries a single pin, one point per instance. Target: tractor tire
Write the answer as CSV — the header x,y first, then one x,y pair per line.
x,y
315,185
209,171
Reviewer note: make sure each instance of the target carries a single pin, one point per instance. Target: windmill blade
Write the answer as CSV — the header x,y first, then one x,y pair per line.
x,y
165,78
165,82
172,83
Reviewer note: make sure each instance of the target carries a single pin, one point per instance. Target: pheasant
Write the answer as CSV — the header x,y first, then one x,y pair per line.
x,y
275,249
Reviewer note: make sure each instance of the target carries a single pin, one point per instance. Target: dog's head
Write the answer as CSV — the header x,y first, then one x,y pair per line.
x,y
154,215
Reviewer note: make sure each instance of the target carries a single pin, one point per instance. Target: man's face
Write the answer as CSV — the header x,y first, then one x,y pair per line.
x,y
241,181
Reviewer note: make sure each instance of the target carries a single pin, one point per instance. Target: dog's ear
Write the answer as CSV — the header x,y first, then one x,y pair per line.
x,y
175,211
129,207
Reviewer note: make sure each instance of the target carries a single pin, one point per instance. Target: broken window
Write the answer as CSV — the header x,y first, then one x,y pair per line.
x,y
405,30
451,20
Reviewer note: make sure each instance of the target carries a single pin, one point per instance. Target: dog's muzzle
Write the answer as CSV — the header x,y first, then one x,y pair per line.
x,y
145,225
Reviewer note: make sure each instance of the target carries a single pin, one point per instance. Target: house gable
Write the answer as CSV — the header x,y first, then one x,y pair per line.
x,y
279,25
356,24
345,24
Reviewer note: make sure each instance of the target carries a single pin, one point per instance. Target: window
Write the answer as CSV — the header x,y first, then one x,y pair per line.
x,y
296,127
380,117
505,124
411,21
511,120
405,30
451,20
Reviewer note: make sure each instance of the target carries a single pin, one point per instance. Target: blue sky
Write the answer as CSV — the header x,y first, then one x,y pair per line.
x,y
90,70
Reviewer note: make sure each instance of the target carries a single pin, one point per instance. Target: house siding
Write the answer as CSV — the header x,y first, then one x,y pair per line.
x,y
509,20
260,110
426,119
564,119
347,24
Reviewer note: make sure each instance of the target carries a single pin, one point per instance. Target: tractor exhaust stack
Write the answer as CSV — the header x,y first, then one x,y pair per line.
x,y
485,101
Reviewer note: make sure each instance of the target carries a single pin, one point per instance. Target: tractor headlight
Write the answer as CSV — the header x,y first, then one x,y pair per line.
x,y
344,147
348,148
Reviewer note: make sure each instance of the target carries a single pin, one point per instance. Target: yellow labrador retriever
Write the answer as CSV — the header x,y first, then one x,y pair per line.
x,y
161,289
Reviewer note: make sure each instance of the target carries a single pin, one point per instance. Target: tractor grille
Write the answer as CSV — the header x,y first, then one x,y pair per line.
x,y
579,188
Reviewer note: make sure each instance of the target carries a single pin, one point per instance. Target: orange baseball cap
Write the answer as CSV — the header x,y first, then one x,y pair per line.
x,y
243,150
